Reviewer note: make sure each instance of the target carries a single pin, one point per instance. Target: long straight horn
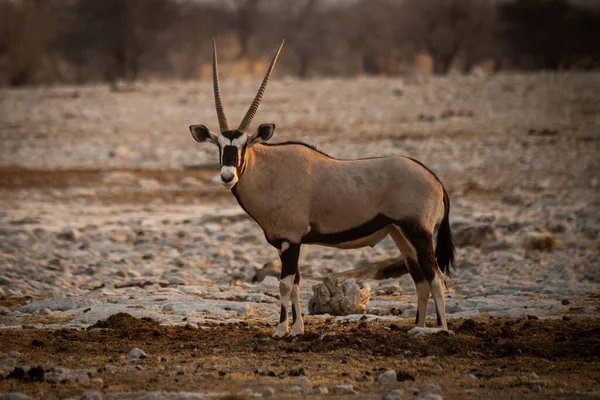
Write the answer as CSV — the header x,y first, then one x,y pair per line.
x,y
261,91
218,103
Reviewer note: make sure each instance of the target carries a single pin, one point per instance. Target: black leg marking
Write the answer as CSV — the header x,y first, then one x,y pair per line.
x,y
422,241
283,315
289,261
417,318
439,318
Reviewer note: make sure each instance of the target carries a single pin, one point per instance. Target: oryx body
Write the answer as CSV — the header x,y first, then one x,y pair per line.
x,y
299,195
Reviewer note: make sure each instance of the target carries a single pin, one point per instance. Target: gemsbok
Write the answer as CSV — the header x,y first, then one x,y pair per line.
x,y
299,195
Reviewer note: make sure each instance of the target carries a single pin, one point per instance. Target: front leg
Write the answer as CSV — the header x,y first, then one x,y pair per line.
x,y
289,254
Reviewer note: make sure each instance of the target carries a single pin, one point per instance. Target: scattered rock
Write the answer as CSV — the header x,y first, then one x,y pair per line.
x,y
92,395
437,369
15,396
167,308
387,377
515,199
331,297
296,390
302,380
468,377
268,391
430,396
343,389
432,387
397,394
475,236
389,289
402,376
541,241
149,184
135,355
68,233
44,311
319,390
64,375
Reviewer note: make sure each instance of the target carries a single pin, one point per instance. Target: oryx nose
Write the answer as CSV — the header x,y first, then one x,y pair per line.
x,y
226,177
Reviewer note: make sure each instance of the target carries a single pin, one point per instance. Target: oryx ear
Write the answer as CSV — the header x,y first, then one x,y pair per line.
x,y
262,134
202,134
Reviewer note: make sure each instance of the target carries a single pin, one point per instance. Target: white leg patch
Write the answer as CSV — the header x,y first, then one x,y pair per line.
x,y
285,290
437,291
422,302
298,325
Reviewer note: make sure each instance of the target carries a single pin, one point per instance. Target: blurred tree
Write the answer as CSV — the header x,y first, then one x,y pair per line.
x,y
447,29
245,17
550,34
27,29
114,35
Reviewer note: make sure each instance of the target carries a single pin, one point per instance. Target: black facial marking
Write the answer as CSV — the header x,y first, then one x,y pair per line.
x,y
230,156
283,315
232,134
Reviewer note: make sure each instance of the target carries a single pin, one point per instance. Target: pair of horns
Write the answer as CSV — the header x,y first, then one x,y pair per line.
x,y
254,106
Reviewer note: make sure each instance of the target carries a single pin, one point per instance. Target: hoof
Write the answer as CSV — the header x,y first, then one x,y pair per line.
x,y
417,331
281,331
297,330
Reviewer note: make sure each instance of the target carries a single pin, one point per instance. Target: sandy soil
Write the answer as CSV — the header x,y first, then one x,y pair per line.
x,y
107,205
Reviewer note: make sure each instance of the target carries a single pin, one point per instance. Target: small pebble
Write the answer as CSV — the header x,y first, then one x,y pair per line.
x,y
167,308
135,355
437,369
15,396
44,311
296,390
397,394
320,390
413,390
432,387
387,377
92,395
302,380
268,391
468,377
343,389
430,396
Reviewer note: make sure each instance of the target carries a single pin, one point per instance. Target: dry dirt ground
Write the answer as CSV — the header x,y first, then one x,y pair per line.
x,y
519,154
487,358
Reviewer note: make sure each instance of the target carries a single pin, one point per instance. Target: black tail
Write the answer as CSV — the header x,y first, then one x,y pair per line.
x,y
444,249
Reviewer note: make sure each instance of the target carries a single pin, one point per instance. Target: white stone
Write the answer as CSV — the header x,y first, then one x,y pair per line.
x,y
343,389
135,355
268,391
387,377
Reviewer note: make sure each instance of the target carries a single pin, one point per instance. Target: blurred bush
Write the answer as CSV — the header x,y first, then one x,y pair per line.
x,y
76,41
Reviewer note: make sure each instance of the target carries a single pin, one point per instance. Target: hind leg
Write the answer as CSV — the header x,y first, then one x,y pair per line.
x,y
410,258
418,243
